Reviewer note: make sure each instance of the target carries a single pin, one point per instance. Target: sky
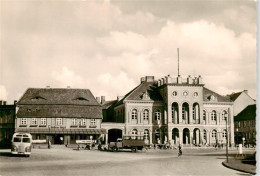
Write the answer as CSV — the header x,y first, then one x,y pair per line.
x,y
107,46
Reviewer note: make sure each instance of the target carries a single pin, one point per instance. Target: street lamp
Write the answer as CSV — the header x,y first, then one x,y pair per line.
x,y
237,135
227,139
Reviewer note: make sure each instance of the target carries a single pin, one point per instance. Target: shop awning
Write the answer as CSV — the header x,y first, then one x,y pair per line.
x,y
62,131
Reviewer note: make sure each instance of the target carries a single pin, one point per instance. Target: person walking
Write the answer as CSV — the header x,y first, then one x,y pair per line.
x,y
49,143
180,150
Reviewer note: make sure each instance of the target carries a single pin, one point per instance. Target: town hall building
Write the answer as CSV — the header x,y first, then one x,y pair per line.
x,y
172,110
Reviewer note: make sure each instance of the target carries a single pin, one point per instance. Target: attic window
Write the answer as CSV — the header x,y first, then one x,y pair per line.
x,y
38,98
81,99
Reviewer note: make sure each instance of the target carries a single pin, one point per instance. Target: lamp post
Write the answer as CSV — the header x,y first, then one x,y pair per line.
x,y
237,135
227,139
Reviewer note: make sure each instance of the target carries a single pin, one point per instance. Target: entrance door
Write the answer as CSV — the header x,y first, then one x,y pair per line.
x,y
58,139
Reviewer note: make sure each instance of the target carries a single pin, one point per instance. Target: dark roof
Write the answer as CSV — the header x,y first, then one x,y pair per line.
x,y
234,96
249,113
55,111
138,92
108,104
207,93
58,96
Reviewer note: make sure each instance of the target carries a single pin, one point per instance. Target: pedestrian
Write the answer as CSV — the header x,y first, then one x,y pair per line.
x,y
180,150
49,143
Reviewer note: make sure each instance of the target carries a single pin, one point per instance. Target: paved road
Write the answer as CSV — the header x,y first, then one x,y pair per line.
x,y
64,161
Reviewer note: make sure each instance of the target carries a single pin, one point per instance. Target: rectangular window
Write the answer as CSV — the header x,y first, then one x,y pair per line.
x,y
34,121
83,122
93,122
74,122
23,121
43,121
58,121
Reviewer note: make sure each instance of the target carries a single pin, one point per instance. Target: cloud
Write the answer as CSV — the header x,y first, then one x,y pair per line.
x,y
115,84
66,78
99,46
3,93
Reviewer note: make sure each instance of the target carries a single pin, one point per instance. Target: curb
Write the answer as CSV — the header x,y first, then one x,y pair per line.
x,y
223,163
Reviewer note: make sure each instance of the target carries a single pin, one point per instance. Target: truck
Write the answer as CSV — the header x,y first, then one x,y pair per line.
x,y
128,142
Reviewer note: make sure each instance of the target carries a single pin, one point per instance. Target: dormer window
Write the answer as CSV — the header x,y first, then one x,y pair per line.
x,y
81,99
38,98
212,98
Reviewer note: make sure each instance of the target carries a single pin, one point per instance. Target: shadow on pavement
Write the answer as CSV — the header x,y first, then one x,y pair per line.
x,y
9,154
6,154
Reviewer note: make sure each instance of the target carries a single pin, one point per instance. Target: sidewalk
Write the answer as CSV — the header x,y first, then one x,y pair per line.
x,y
241,164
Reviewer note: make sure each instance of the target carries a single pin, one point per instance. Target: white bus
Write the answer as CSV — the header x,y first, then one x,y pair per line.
x,y
21,144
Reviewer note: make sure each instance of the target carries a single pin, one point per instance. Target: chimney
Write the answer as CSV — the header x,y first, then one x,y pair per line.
x,y
98,99
149,78
179,80
68,87
103,99
246,91
4,103
200,80
119,98
15,101
142,79
48,87
189,80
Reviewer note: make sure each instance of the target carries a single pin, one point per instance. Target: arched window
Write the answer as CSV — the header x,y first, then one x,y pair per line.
x,y
213,115
185,112
146,134
146,114
214,134
224,134
224,115
157,114
195,111
134,133
134,114
174,112
204,115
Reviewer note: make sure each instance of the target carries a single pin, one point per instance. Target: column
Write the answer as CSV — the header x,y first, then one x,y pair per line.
x,y
141,117
169,114
129,117
150,116
180,114
202,137
106,137
151,136
166,121
169,135
206,118
209,117
191,136
176,116
190,114
180,136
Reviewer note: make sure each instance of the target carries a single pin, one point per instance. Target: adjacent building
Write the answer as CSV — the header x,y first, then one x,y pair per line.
x,y
241,101
7,123
60,115
175,110
245,126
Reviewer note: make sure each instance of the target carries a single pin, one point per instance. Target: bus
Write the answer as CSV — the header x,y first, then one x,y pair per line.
x,y
21,144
